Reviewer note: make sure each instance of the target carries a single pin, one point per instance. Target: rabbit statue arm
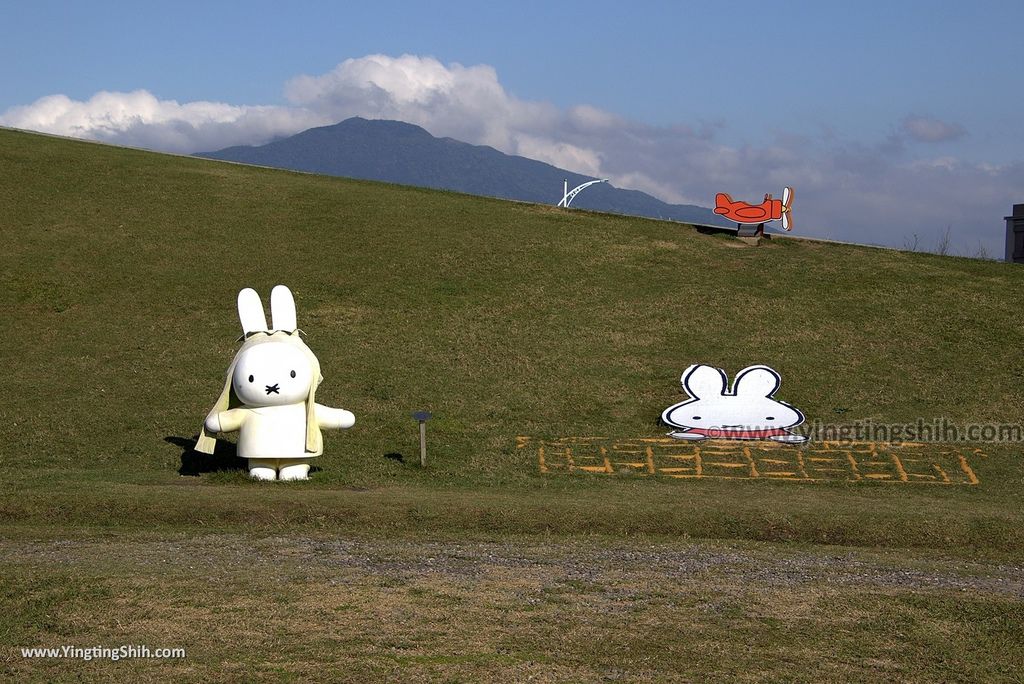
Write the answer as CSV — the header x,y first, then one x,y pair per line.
x,y
225,421
332,418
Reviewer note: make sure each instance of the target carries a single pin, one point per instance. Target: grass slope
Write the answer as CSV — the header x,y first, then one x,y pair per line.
x,y
120,270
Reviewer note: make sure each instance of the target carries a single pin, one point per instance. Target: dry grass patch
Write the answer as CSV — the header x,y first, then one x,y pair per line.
x,y
490,611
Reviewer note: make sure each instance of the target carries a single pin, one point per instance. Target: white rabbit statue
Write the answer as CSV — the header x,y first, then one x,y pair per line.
x,y
269,394
749,411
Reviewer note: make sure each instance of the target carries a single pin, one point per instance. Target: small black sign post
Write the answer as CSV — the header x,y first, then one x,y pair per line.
x,y
423,417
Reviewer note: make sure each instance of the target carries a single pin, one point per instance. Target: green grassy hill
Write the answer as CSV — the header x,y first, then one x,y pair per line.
x,y
120,271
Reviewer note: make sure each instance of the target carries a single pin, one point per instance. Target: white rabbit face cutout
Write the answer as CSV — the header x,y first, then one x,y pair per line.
x,y
272,375
749,411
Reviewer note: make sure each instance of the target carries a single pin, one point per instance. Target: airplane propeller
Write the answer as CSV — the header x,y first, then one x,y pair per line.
x,y
787,212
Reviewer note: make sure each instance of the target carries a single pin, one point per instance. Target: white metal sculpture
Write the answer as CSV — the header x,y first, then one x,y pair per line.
x,y
568,195
269,394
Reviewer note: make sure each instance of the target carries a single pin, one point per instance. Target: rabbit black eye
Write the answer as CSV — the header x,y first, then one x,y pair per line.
x,y
696,417
251,378
293,374
769,417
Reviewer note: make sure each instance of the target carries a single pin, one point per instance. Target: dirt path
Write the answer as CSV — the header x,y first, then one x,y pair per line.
x,y
408,560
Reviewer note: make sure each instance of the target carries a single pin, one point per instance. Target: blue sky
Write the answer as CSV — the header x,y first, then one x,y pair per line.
x,y
907,114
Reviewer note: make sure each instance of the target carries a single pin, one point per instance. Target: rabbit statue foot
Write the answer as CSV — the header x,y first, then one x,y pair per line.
x,y
293,471
278,469
259,471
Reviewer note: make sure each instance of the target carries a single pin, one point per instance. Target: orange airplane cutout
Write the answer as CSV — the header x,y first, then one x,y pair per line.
x,y
769,210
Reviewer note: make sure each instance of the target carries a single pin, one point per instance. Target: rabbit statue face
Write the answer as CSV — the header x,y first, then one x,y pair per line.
x,y
747,412
272,374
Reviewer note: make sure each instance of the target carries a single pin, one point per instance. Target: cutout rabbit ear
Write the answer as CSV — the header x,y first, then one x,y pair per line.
x,y
702,381
757,381
282,309
250,311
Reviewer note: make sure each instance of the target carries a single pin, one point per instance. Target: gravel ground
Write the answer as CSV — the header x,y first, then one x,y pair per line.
x,y
568,561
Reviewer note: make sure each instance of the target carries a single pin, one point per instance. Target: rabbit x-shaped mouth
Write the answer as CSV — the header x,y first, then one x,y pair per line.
x,y
273,389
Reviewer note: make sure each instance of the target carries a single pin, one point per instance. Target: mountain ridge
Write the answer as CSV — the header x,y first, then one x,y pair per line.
x,y
399,152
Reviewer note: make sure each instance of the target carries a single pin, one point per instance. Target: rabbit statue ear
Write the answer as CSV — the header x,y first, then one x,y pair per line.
x,y
757,381
702,381
282,309
250,311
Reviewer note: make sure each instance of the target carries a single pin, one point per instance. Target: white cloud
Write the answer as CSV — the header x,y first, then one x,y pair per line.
x,y
636,180
588,118
467,103
947,163
140,119
560,154
927,129
859,191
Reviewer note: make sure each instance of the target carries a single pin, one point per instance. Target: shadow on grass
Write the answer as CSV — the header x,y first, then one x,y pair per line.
x,y
194,463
